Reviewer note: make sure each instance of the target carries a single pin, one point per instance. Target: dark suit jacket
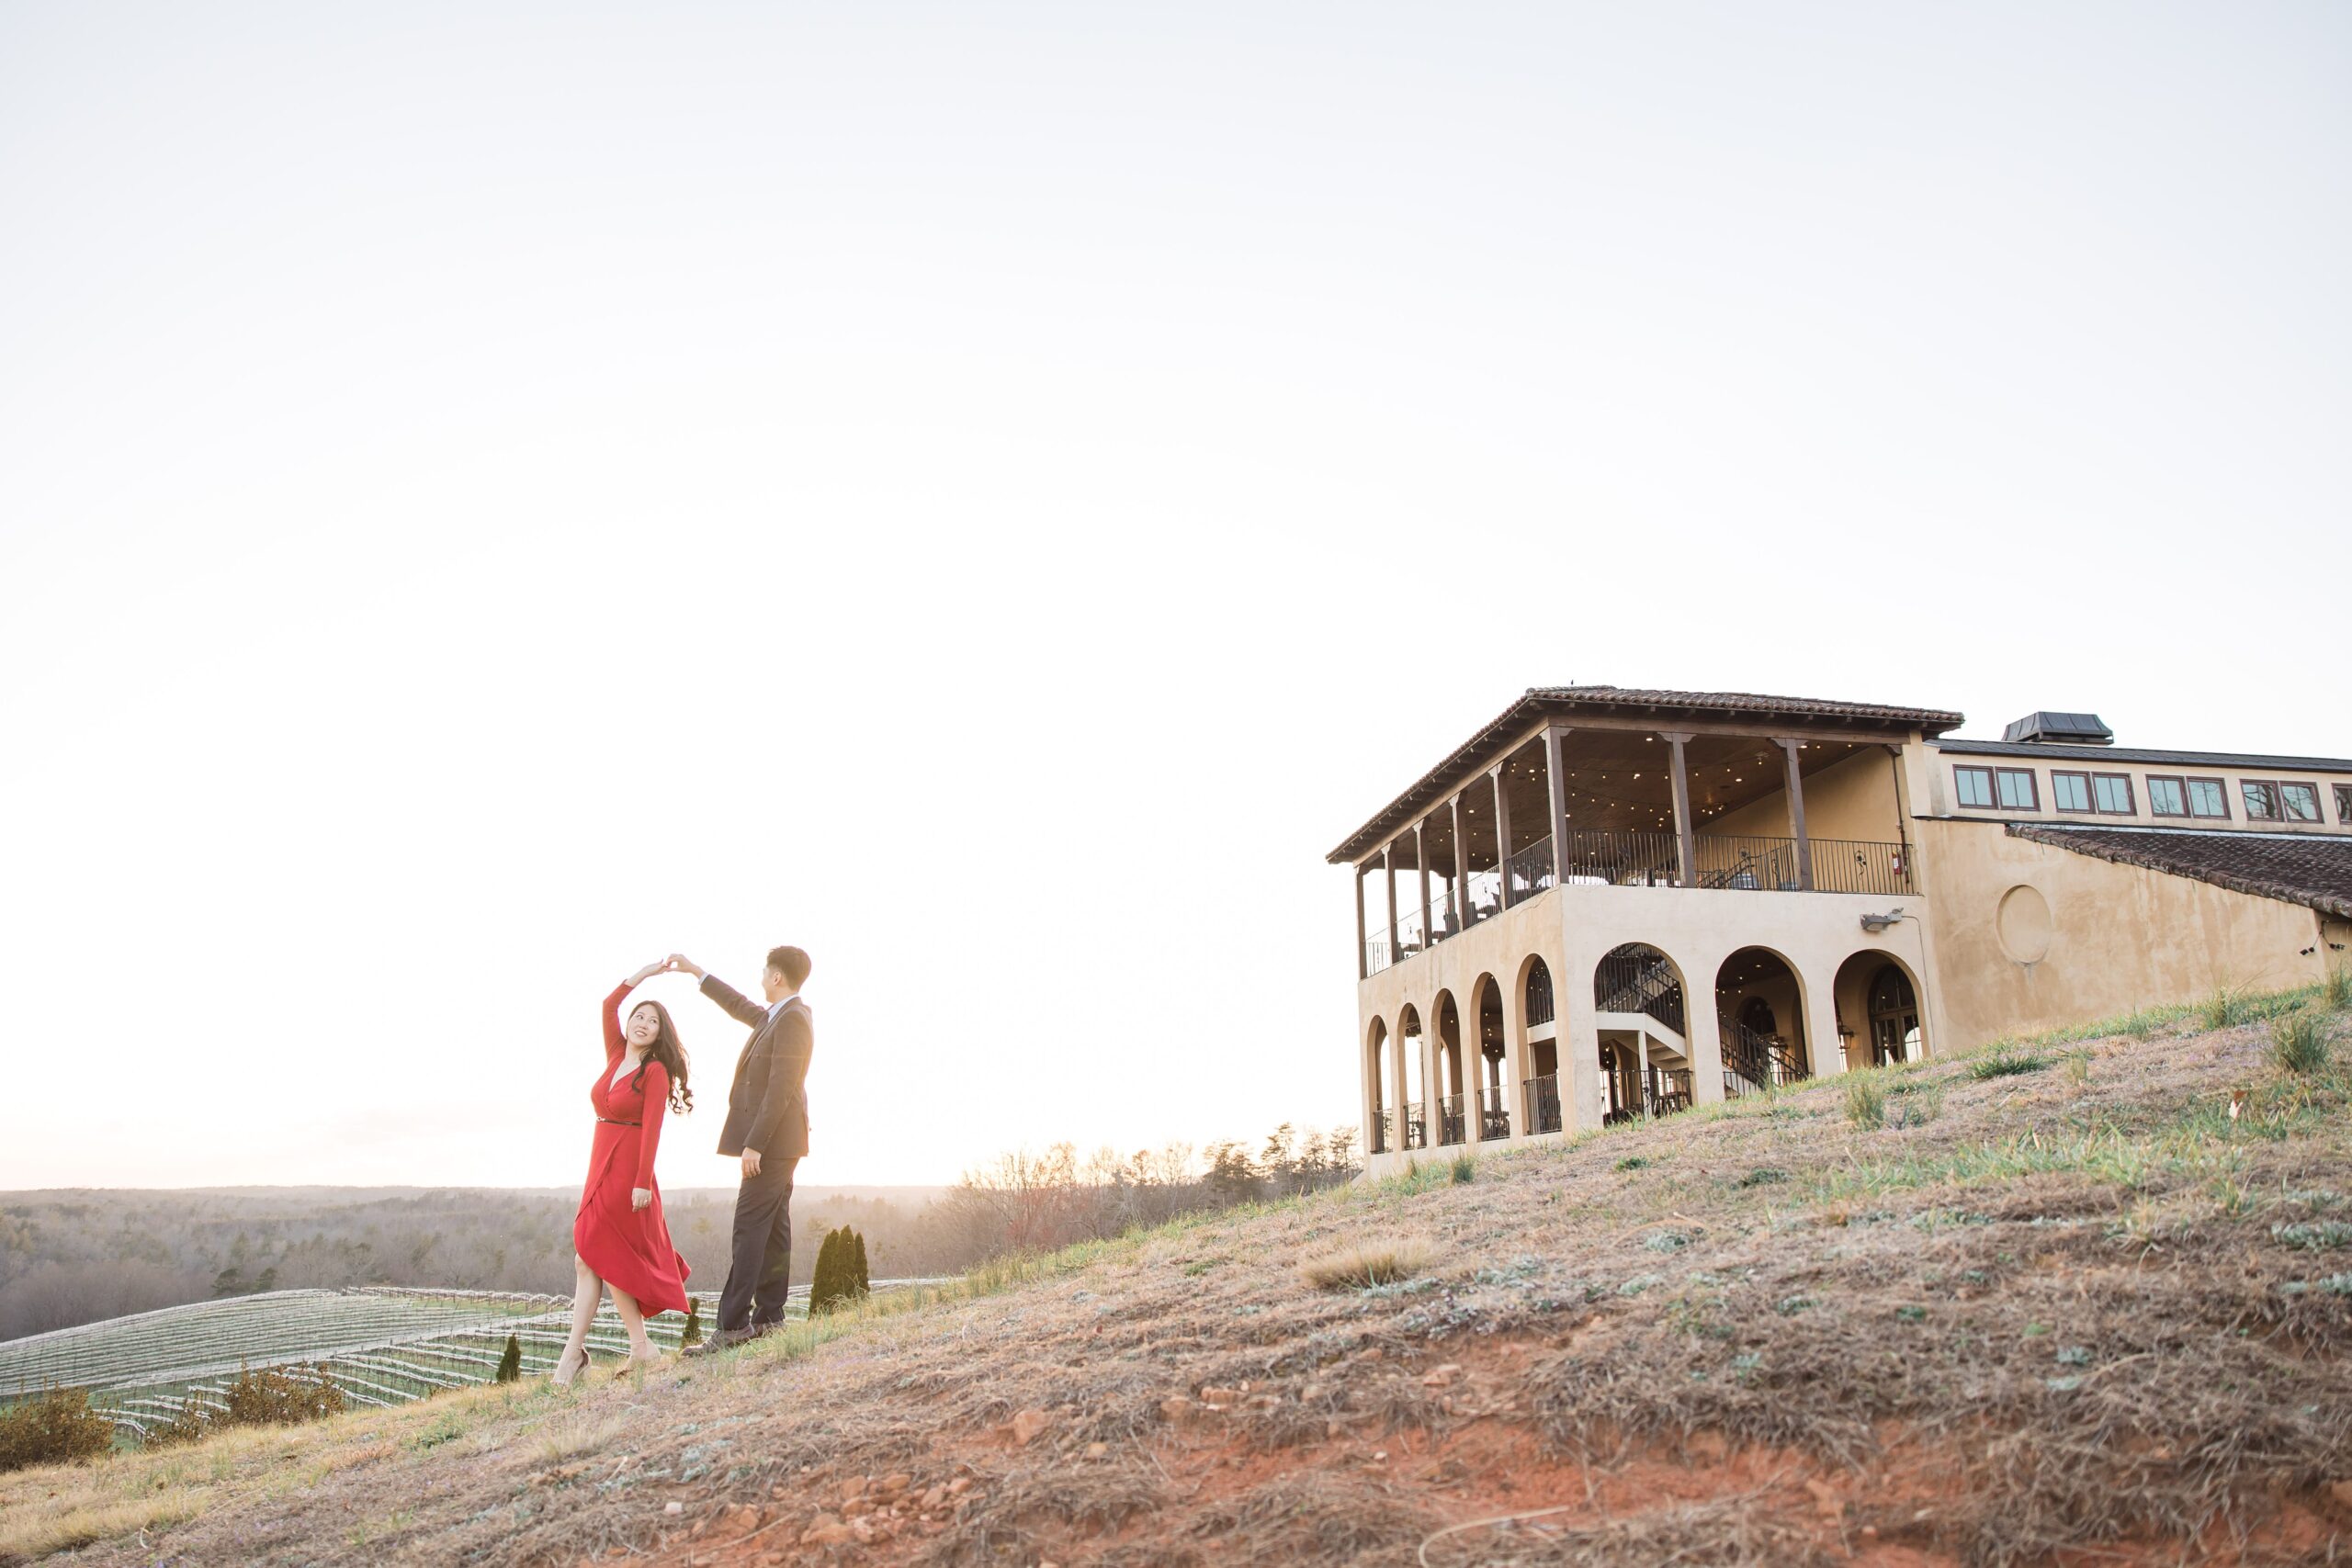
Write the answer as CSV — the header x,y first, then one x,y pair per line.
x,y
767,1105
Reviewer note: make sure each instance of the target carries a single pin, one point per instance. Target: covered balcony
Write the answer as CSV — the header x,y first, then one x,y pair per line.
x,y
1655,794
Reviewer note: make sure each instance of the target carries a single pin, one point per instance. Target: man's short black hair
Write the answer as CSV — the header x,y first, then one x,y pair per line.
x,y
790,963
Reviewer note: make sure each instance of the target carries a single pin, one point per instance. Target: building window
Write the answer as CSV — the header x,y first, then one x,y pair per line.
x,y
1975,786
2343,805
2014,787
2070,791
2165,797
2208,798
2114,793
2261,798
2301,802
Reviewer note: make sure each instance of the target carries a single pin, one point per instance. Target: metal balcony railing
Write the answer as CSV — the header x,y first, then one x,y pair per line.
x,y
1543,1103
1744,862
1855,865
1383,1131
1494,1116
1530,870
1623,859
1483,893
1452,1126
1417,1132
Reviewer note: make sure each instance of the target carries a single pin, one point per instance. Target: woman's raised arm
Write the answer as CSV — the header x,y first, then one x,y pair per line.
x,y
613,1019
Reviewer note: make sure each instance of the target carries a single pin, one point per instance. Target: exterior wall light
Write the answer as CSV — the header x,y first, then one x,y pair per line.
x,y
1877,923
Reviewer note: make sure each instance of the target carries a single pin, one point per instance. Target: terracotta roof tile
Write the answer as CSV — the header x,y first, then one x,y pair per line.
x,y
2311,869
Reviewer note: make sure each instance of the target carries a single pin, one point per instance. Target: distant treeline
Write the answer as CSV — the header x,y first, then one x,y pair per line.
x,y
74,1256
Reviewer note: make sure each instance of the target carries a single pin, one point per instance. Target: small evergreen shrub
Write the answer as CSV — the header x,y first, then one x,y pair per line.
x,y
510,1364
50,1428
840,1275
692,1334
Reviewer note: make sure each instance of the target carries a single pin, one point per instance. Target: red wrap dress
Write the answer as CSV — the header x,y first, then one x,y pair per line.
x,y
628,1248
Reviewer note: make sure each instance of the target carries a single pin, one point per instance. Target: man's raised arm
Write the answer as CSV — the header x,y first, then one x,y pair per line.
x,y
737,1005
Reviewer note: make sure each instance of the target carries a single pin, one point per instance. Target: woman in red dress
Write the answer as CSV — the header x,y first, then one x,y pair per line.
x,y
620,1239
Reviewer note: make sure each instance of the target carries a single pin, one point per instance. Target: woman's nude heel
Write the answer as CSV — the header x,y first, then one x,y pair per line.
x,y
559,1377
650,1361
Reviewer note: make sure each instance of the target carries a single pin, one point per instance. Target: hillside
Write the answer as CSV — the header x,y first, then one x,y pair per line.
x,y
70,1256
2065,1305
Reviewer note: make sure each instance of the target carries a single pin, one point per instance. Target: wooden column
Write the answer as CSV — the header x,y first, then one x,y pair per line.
x,y
1364,959
1502,832
1796,813
1421,863
1388,867
1558,780
1686,842
1461,870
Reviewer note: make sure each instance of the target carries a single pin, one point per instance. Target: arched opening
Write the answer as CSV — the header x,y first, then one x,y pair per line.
x,y
1643,1049
1759,1012
1494,1112
1880,1017
1410,1100
1454,1098
1542,1089
1894,1017
1379,1135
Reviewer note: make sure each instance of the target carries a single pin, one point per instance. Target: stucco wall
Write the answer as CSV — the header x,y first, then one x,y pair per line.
x,y
1854,799
2081,938
1572,929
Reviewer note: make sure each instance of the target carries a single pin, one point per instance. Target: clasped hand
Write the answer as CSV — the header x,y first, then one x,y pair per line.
x,y
676,964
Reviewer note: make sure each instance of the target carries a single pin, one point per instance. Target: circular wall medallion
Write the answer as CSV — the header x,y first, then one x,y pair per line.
x,y
2023,924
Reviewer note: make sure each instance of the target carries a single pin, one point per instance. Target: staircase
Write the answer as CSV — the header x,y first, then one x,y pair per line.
x,y
1752,1063
1630,982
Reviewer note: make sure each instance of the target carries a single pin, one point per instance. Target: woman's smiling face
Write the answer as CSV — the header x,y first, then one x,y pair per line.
x,y
644,1024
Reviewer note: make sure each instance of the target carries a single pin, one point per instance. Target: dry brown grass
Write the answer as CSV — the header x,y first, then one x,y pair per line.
x,y
1367,1260
2057,1317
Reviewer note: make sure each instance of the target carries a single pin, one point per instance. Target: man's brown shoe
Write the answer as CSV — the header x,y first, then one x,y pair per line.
x,y
725,1339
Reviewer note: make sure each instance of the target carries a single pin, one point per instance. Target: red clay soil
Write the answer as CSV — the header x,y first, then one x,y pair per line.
x,y
1494,1491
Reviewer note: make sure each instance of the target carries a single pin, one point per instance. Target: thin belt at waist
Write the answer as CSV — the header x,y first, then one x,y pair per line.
x,y
610,1123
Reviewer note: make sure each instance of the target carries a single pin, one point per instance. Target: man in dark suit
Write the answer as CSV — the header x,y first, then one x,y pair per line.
x,y
767,1127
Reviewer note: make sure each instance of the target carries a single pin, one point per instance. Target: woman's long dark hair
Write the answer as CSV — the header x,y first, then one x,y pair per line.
x,y
671,1052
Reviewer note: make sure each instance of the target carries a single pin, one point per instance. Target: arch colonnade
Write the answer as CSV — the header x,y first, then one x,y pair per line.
x,y
1519,1040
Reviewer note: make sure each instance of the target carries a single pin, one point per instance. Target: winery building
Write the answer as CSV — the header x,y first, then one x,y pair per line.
x,y
1610,903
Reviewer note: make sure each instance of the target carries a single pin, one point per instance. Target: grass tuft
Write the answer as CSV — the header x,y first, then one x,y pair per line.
x,y
1865,1103
2223,1007
1465,1170
2336,991
2299,1042
1367,1263
2005,1061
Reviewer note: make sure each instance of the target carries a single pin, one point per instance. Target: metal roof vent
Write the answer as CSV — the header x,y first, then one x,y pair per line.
x,y
2060,730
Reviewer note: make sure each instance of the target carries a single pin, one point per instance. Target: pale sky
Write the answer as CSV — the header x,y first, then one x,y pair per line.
x,y
491,494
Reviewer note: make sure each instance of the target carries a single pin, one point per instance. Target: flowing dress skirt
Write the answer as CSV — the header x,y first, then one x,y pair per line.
x,y
629,1249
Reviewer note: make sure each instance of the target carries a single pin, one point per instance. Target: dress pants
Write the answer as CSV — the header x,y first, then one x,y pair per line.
x,y
759,1276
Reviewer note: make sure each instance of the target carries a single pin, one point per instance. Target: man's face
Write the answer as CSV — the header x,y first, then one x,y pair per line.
x,y
772,982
